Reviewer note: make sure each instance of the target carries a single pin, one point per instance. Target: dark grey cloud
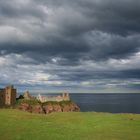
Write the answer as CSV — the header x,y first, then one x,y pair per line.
x,y
89,36
71,26
110,16
87,75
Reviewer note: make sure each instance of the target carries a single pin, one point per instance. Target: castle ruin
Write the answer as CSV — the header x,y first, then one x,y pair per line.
x,y
8,95
59,98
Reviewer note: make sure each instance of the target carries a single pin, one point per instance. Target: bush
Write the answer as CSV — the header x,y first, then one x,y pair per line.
x,y
30,102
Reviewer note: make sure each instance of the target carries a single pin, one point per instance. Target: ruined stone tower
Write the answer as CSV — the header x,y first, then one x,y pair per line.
x,y
8,95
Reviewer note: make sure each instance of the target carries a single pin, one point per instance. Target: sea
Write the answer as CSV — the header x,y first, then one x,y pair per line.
x,y
106,102
112,102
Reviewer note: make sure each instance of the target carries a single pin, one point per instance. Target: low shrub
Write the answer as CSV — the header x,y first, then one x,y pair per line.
x,y
30,102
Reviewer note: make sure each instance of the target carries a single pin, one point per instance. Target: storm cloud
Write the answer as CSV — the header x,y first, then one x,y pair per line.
x,y
72,45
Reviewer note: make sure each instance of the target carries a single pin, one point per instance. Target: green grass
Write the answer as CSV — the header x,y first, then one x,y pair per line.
x,y
18,125
30,102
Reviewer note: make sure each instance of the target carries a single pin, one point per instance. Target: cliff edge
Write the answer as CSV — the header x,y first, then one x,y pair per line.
x,y
34,106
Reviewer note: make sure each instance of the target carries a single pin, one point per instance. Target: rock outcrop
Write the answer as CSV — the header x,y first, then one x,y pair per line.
x,y
37,109
49,107
70,108
24,107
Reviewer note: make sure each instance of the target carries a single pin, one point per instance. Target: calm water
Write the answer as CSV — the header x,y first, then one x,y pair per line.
x,y
115,103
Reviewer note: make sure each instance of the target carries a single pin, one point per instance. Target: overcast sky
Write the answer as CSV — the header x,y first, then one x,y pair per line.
x,y
73,45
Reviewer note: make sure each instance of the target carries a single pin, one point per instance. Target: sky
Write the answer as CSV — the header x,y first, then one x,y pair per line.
x,y
70,45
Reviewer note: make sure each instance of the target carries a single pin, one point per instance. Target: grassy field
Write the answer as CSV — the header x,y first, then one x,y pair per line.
x,y
18,125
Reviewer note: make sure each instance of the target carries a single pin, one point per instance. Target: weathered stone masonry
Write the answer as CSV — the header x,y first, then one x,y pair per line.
x,y
8,95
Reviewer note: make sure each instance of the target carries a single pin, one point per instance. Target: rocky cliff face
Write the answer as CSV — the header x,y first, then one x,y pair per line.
x,y
49,107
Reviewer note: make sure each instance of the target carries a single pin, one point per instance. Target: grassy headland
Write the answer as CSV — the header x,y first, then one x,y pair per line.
x,y
18,125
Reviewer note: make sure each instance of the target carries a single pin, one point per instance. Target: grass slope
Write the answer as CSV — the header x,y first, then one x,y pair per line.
x,y
18,125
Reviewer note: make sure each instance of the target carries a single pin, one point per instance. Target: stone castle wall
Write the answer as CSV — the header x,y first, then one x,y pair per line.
x,y
64,97
8,96
2,97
